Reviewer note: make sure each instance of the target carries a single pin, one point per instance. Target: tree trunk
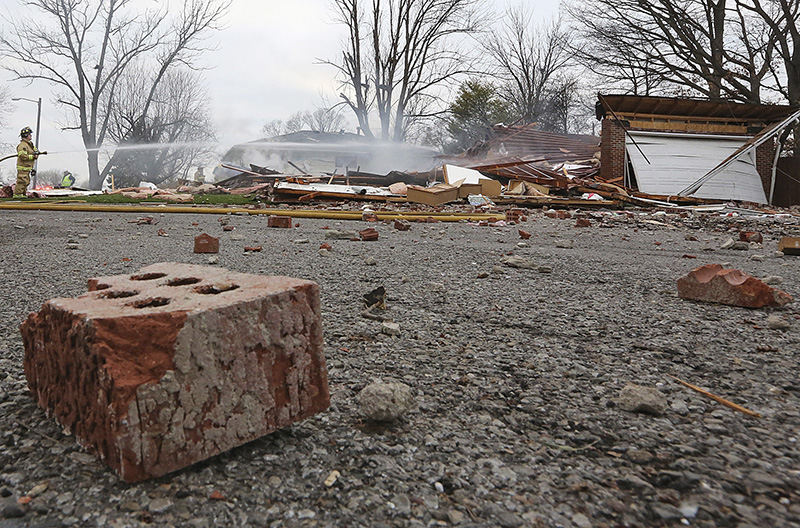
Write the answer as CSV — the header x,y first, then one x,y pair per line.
x,y
717,34
95,178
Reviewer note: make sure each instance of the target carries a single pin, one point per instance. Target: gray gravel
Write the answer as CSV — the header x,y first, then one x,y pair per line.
x,y
516,377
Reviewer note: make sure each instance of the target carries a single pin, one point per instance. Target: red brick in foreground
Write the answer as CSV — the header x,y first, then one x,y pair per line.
x,y
178,363
279,221
712,283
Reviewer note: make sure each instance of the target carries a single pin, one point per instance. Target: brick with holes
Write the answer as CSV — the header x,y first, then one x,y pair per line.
x,y
177,363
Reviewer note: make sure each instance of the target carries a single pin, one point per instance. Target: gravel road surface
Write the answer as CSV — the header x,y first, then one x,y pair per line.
x,y
515,374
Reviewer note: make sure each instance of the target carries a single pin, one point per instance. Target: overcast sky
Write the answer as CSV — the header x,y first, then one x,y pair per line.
x,y
264,67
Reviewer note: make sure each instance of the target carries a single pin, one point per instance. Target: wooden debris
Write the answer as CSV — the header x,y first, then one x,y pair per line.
x,y
718,399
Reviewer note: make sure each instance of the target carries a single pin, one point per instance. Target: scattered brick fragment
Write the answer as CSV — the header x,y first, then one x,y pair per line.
x,y
751,236
176,364
368,235
712,283
205,243
369,217
524,235
228,227
583,222
252,249
687,256
216,495
162,232
279,221
402,225
516,215
325,245
560,214
144,220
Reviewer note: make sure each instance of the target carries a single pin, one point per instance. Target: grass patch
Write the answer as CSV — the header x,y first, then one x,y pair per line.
x,y
231,199
200,199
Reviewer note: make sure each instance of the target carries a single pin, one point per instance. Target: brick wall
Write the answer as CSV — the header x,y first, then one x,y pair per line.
x,y
612,152
765,156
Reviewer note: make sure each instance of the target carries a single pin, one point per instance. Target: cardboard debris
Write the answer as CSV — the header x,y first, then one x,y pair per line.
x,y
436,195
470,181
789,245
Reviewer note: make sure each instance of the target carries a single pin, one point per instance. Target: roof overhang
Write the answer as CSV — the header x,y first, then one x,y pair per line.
x,y
624,105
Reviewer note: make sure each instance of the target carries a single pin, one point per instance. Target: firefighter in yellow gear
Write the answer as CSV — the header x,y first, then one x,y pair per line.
x,y
26,155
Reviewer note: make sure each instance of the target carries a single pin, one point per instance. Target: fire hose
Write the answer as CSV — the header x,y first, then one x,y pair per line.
x,y
15,155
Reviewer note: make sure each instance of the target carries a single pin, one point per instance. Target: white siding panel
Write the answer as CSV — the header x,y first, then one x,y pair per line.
x,y
676,161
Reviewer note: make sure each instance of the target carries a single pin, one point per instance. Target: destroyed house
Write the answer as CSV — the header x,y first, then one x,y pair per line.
x,y
317,153
708,149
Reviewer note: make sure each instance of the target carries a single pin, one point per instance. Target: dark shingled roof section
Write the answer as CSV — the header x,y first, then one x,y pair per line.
x,y
529,143
683,107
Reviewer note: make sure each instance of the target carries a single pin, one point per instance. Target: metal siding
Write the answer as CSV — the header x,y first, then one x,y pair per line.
x,y
677,161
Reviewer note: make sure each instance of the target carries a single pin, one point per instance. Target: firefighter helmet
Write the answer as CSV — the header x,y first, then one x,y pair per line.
x,y
25,132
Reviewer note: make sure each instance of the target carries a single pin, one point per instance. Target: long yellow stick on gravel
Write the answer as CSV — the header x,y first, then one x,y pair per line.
x,y
295,213
718,399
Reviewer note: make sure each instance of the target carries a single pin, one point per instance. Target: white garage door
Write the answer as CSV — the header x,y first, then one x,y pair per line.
x,y
678,160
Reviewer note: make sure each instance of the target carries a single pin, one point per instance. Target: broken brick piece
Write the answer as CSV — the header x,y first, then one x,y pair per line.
x,y
751,236
228,228
177,363
402,225
252,249
583,222
368,235
712,283
515,215
205,243
560,214
325,245
524,235
279,221
369,217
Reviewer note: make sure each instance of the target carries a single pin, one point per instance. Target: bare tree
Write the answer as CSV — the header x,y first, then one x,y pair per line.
x,y
527,58
84,47
324,118
397,53
781,17
272,128
701,45
177,134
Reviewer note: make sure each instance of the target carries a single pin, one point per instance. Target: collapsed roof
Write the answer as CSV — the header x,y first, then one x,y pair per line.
x,y
310,152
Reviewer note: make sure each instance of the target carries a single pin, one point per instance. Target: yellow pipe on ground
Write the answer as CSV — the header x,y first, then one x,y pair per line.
x,y
294,213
